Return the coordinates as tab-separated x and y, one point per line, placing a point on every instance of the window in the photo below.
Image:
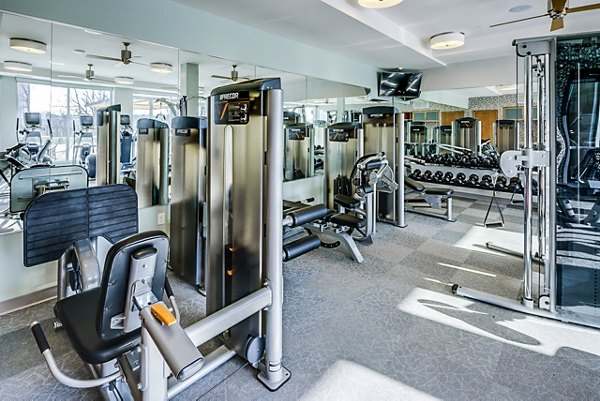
62	106
516	113
426	116
157	106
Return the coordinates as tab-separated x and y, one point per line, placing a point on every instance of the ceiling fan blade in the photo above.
220	77
135	62
95	56
518	20
558	5
583	8
243	79
557	23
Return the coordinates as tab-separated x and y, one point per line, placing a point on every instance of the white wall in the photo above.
472	74
173	24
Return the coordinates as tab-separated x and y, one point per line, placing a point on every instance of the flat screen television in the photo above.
406	85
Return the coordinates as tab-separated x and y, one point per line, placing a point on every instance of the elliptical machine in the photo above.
84	144
31	136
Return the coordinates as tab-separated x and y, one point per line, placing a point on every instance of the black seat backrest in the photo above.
54	220
113	289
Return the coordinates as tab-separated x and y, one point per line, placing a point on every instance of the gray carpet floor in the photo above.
388	329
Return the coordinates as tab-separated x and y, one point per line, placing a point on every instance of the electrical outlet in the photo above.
160	219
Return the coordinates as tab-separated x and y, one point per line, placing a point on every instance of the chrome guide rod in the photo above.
551	177
527	195
541	145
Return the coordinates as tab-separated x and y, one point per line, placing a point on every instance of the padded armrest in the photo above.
414	185
346	201
443	191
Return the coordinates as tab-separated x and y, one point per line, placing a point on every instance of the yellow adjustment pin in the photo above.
161	312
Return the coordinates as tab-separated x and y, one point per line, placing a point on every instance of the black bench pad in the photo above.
77	314
348	220
443	191
414	185
346	201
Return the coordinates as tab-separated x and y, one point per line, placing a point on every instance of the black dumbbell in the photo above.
501	183
427	176
438	176
448	178
473	181
512	185
416	174
461	179
474	162
486	182
486	162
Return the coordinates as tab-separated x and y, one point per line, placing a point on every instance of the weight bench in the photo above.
433	198
336	224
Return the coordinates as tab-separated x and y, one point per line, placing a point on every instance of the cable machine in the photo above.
557	71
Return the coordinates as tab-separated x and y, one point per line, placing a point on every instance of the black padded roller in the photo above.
307	214
373	165
40	337
300	247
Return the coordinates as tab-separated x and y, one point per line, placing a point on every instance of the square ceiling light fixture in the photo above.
28	45
378	3
18	66
447	40
161	68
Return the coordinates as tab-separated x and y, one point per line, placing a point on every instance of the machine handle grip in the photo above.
40	337
168	288
300	247
307	214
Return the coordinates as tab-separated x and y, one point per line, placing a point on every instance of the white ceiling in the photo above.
385	38
399	36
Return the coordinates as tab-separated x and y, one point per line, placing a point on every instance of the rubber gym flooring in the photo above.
389	329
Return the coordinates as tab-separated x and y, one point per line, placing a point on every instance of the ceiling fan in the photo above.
88	76
125	56
234	75
557	10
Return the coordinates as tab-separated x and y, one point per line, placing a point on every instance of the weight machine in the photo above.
556	69
130	338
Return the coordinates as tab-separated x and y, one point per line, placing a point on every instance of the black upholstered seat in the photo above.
346	201
348	220
443	191
78	314
87	316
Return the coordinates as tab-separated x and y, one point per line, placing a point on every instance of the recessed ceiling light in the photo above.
378	3
447	40
57	63
28	45
124	80
17	66
161	68
519	9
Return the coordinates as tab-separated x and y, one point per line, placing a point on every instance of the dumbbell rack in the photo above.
475	190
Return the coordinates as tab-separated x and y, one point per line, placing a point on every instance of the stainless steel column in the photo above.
244	226
108	160
399	168
527	195
152	166
188	196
